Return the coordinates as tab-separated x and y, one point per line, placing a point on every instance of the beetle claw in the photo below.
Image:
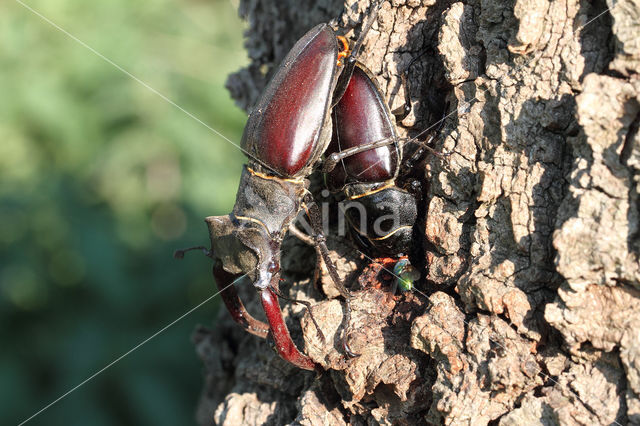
347	350
319	332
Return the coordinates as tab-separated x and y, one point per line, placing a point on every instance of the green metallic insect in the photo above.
405	274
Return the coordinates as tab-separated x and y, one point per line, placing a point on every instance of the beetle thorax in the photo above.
272	202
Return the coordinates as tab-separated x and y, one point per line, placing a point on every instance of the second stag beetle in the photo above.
286	135
363	163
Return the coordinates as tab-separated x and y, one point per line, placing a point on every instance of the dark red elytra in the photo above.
284	129
362	117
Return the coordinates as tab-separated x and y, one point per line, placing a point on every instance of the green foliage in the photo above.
100	180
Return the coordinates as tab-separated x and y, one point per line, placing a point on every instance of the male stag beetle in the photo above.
285	136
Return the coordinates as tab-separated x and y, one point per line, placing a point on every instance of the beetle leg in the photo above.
301	235
310	241
284	345
307	305
402	111
333	159
426	145
234	304
321	244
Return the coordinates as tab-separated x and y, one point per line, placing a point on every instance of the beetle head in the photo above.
244	248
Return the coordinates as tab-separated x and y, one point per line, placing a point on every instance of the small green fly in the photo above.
405	274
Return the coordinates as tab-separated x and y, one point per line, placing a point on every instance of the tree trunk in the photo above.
530	310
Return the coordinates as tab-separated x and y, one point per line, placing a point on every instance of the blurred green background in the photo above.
100	180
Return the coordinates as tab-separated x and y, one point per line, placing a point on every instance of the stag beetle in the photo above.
285	136
363	163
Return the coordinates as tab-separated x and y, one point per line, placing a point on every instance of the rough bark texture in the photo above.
530	311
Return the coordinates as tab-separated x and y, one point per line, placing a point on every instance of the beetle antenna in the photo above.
179	254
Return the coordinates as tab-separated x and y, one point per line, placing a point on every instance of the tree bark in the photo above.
529	310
